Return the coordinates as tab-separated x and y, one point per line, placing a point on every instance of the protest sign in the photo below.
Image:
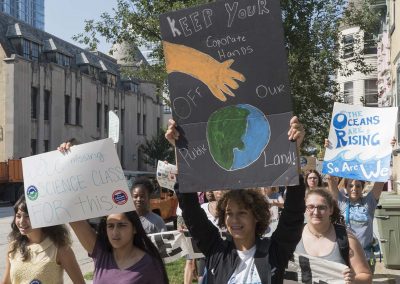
230	95
360	142
166	175
86	182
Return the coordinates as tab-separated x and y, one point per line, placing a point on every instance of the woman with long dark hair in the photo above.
121	250
40	254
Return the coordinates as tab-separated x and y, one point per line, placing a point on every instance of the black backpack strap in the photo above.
261	260
343	242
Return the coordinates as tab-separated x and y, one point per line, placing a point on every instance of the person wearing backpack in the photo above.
325	236
245	257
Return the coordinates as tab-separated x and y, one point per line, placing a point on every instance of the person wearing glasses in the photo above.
358	210
319	238
313	179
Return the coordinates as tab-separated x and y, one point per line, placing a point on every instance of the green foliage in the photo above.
157	148
311	38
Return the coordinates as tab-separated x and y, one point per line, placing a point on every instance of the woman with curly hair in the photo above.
245	256
38	255
319	237
313	179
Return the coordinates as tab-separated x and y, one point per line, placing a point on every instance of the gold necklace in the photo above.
317	235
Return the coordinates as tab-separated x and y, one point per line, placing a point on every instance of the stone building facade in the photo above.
51	90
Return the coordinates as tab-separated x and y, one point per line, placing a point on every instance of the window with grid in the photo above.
106	117
26	49
78	111
348	93
138	123
371	93
34	103
370	45
33	146
35	50
46	145
98	115
47	105
348	46
67	109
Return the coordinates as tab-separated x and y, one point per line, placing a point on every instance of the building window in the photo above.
77	111
348	46
106	117
144	124
348	93
371	93
122	120
62	59
138	123
33	147
370	45
139	104
46	145
47	105
34	103
67	109
26	49
98	115
35	51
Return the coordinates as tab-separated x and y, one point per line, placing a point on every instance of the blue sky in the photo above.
65	18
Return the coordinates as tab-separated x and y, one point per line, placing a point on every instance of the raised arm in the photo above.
86	235
201	229
377	189
291	222
66	258
359	265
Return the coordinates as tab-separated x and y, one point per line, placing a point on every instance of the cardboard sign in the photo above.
166	175
86	182
360	142
230	95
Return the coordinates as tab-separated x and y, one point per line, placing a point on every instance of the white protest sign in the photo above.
309	269
86	182
113	126
166	174
360	142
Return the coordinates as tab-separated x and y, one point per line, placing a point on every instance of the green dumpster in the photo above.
388	220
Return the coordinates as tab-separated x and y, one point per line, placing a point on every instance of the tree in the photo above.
157	148
311	38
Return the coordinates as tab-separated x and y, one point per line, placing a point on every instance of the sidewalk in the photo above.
385	275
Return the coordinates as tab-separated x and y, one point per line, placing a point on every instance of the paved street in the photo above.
382	274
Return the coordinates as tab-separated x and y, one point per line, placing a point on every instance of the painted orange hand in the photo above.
218	77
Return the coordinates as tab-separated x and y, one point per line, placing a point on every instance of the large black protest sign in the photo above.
230	95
